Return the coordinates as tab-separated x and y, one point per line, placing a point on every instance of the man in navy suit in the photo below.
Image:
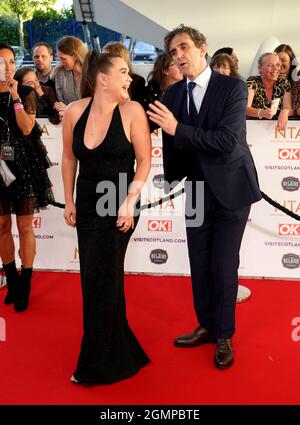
204	139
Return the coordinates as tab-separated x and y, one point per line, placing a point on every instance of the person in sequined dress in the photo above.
26	158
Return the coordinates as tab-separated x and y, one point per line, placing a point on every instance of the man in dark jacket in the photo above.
204	139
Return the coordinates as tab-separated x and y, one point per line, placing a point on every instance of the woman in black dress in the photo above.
26	157
106	133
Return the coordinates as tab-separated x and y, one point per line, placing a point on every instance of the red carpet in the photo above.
42	344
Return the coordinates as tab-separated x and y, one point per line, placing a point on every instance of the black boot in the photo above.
24	288
12	280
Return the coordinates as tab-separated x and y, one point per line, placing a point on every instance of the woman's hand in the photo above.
13	88
39	89
267	113
59	106
125	219
61	115
70	214
282	119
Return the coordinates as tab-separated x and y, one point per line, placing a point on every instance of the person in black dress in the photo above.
105	132
26	158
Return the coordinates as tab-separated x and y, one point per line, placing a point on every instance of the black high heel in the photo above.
12	280
23	290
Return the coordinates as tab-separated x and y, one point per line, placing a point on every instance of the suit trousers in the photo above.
213	249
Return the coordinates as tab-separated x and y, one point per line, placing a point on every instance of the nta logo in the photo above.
45	130
160	225
291	261
291	184
158	256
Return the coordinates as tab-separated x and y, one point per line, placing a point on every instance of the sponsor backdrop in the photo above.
271	245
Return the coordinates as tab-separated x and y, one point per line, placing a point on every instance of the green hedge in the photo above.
9	32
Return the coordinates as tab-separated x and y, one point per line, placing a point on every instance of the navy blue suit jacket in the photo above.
217	144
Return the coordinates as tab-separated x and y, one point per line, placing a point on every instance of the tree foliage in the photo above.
9	30
67	13
5	10
53	15
48	15
24	9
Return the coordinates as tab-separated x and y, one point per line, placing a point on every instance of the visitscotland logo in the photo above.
291	261
291	184
158	256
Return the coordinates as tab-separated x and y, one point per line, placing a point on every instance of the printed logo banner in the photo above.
271	244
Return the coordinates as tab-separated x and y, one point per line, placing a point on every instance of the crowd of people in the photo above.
102	104
57	87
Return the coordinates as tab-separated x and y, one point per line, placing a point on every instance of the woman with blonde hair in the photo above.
267	89
71	52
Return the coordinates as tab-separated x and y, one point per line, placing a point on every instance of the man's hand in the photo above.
161	115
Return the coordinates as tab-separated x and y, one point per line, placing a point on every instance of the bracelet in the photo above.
18	106
258	114
18	100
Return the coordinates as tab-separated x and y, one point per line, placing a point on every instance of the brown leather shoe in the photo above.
198	337
224	354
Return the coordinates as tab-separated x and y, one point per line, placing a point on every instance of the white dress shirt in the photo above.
200	88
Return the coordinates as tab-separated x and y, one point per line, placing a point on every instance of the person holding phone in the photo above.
26	157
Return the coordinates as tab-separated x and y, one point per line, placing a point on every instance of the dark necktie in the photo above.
192	107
